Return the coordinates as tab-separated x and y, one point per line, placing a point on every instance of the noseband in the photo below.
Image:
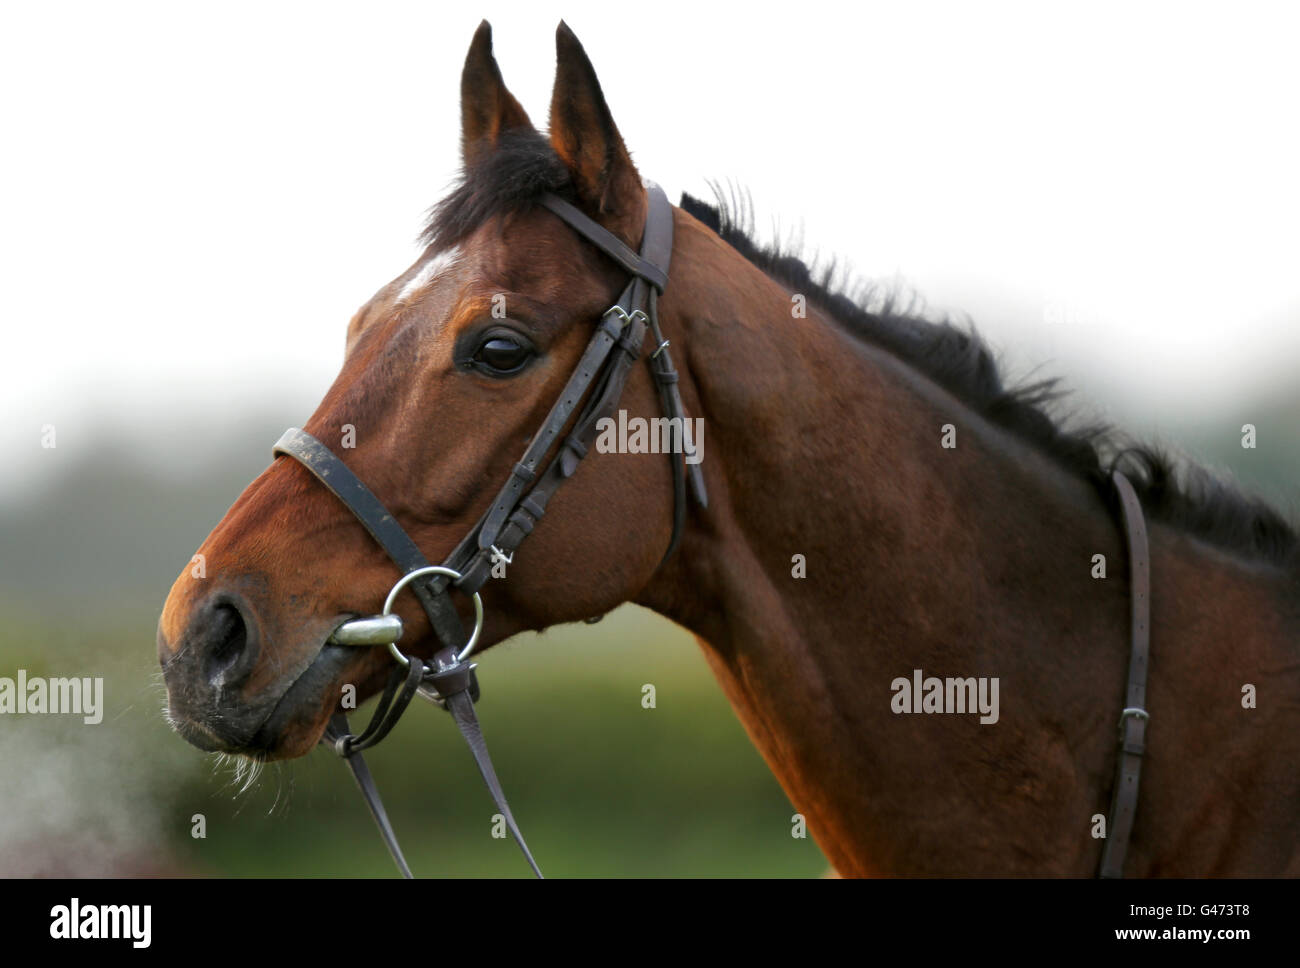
448	678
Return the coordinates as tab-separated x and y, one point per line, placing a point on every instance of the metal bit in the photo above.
374	630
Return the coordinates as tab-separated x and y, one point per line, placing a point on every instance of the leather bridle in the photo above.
448	678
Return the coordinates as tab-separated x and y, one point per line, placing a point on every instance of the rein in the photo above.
448	679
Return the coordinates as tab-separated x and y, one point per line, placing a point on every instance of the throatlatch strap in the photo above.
656	254
1133	720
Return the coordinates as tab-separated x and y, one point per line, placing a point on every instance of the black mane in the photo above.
1183	495
1180	494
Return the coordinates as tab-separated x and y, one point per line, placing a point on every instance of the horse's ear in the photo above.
487	109
584	136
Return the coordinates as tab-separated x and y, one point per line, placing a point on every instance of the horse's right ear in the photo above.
487	109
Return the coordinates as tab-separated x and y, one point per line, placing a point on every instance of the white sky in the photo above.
194	198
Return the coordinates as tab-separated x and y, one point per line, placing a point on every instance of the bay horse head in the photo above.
448	372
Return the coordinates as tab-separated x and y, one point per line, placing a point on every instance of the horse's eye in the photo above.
501	354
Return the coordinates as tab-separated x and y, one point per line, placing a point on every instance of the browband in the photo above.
656	250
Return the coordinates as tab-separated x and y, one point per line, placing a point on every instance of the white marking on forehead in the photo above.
432	267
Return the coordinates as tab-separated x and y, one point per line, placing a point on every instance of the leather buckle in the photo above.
1138	746
1135	711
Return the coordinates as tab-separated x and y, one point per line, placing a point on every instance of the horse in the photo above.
882	513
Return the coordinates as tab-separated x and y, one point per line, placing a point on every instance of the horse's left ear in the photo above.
584	136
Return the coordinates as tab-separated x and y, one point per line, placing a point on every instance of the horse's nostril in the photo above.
227	643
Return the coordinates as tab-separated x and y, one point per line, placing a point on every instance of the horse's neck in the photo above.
845	547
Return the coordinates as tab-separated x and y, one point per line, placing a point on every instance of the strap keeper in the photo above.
476	574
661	364
571	454
613	322
576	445
524	520
630	345
523	473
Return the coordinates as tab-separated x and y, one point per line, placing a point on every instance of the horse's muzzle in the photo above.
206	671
